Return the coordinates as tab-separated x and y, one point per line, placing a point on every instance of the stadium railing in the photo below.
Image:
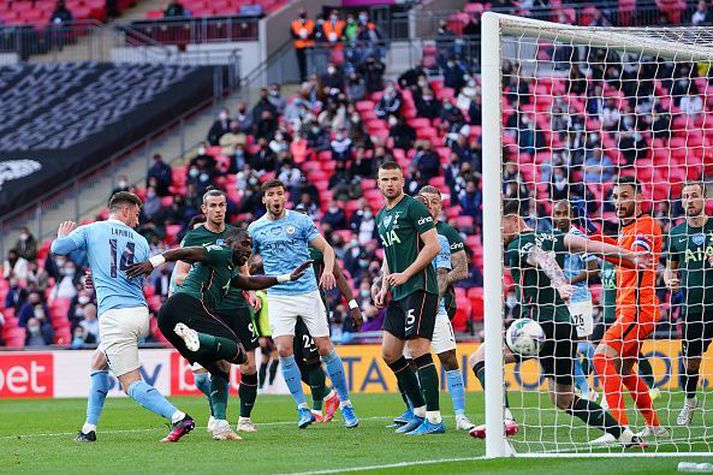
183	31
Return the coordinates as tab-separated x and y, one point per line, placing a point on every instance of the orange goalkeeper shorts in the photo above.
628	333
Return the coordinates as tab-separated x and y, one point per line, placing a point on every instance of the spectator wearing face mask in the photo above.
453	75
334	216
122	184
390	102
426	160
152	208
333	30
317	138
220	127
263	104
467	95
302	30
402	134
15	266
161	171
38	332
33	307
16	296
26	245
333	79
244	118
372	70
427	106
264	160
230	140
341	146
75	314
275	97
355	87
90	324
66	287
78	337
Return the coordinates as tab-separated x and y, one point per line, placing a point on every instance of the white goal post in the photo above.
521	39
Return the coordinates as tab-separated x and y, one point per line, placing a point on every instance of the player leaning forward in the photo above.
188	318
282	238
535	260
410	241
690	267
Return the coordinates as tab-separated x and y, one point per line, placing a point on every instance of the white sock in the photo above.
303	406
693	399
420	411
345	403
434	417
241	419
87	428
177	416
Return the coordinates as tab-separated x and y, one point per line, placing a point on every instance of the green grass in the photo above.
36	436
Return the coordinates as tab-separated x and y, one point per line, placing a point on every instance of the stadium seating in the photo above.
219	8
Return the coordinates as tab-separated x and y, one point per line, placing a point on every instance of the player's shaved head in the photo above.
693	200
562	215
213	194
433	196
214	207
430	189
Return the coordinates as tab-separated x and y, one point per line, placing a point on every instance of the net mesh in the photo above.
578	113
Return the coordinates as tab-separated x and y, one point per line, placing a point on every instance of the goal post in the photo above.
531	48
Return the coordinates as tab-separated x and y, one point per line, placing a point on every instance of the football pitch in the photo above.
37	436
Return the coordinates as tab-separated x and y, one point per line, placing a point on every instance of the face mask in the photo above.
60	262
274	93
204	177
471	83
69	271
393	121
451	64
201	151
83	300
331	70
315	130
151	194
193	173
427	98
367	215
123	184
24	236
223	116
363	18
339	137
353	242
39	313
34	330
447	106
365	293
422	83
356	118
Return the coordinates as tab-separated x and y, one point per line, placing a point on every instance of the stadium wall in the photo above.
64	374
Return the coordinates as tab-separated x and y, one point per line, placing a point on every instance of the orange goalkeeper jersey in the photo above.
636	288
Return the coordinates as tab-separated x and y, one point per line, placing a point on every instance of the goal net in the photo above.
568	113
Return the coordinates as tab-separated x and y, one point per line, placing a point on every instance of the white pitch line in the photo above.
389	465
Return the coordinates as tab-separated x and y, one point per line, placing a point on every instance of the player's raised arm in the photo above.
69	238
614	254
186	254
327	282
259	282
546	262
429	251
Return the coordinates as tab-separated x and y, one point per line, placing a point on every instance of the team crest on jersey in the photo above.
220	242
698	239
290	229
387	221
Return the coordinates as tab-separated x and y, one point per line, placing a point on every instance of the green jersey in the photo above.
456	245
537	295
318	267
691	248
202	236
400	230
608	277
209	281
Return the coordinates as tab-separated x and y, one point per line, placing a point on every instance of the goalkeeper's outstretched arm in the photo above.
611	253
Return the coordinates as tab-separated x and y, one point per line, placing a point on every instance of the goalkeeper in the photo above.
544	293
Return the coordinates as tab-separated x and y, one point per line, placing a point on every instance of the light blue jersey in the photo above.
111	247
574	264
283	245
442	261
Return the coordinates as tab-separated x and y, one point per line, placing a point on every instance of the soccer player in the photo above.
306	352
233	308
111	246
690	266
187	320
410	243
637	312
282	237
456	269
578	269
535	261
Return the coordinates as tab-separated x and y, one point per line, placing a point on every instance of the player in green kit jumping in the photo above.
234	308
689	266
188	318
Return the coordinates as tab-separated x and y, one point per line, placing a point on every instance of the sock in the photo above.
273	371
580	380
317	383
202	381
220	348
587	350
479	370
454	379
335	370
409	383
594	416
219	395
428	377
247	394
291	373
149	398
262	373
646	372
98	390
688	380
639	392
613	387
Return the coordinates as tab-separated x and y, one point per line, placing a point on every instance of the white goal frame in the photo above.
494	27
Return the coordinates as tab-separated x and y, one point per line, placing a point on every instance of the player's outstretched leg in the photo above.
335	370
98	390
456	388
219	400
210	347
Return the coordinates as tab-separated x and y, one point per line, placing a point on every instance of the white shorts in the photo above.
444	339
583	317
284	310
120	330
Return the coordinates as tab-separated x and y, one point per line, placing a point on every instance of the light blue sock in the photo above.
291	373
202	381
100	383
580	380
149	398
335	370
587	350
456	390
